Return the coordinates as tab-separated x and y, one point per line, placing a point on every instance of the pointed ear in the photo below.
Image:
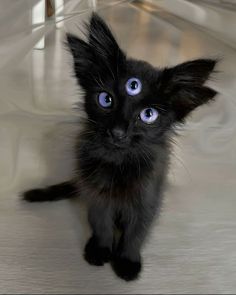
98	58
103	42
184	86
79	49
84	61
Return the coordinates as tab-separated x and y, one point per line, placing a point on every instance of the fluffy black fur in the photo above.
121	177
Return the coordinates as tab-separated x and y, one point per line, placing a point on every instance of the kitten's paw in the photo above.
96	255
126	269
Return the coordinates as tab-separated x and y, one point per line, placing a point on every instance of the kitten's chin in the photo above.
114	152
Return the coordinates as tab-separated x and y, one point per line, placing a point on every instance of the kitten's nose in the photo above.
118	133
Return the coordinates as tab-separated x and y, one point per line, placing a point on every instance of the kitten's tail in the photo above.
64	190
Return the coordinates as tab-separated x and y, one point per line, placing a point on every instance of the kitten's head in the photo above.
130	103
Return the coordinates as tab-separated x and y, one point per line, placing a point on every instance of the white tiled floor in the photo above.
192	248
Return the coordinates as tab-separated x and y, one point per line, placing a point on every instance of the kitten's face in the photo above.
130	104
128	111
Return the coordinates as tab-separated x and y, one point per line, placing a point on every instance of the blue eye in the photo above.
149	115
105	100
133	86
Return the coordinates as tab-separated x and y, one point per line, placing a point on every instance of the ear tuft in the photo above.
103	42
100	36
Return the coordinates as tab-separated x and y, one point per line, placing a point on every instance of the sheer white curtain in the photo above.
37	91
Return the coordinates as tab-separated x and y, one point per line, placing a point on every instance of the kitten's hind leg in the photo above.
64	190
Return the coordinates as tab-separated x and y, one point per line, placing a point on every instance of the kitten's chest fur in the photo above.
123	180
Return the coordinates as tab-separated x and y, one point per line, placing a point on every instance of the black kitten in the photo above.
123	150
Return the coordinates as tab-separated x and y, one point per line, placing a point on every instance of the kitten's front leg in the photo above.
127	257
99	247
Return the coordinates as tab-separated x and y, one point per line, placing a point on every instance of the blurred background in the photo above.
192	246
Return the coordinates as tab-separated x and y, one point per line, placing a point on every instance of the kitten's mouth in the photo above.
115	141
117	145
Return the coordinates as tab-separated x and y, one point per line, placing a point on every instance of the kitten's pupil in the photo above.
134	85
149	113
108	99
105	100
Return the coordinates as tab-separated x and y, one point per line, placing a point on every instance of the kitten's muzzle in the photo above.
118	137
118	133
